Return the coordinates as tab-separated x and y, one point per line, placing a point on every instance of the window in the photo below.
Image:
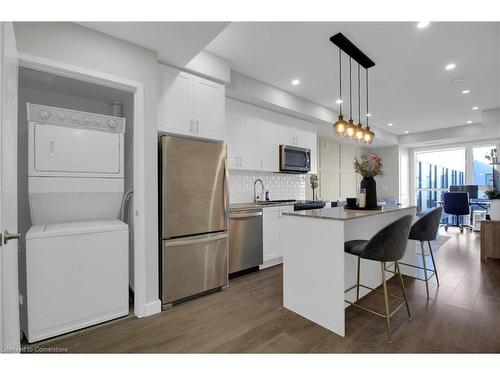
482	171
435	172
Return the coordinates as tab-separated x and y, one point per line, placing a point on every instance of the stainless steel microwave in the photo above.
295	159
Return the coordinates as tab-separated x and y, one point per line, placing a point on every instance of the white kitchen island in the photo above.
316	271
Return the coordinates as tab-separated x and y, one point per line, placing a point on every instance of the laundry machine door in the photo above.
74	151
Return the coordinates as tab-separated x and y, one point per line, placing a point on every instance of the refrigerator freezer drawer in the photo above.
192	265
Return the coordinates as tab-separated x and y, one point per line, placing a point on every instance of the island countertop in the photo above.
341	214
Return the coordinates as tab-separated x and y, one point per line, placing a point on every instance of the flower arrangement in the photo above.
368	166
314	180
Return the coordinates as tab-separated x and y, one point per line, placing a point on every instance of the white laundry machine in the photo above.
77	249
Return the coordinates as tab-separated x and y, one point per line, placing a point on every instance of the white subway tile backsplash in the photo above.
280	185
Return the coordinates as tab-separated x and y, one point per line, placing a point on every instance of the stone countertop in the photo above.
255	206
341	214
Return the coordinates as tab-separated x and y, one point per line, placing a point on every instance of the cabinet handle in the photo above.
197	126
262	163
191	129
241	162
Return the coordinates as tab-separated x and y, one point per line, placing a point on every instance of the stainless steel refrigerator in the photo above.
193	223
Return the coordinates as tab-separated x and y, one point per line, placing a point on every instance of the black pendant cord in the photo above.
367	117
340	79
359	96
350	90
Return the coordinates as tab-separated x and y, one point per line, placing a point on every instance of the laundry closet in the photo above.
75	191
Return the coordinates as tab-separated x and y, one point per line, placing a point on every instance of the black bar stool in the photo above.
387	245
425	230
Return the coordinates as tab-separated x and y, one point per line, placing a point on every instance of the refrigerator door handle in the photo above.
208	238
226	186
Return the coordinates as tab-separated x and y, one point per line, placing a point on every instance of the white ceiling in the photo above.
409	86
176	42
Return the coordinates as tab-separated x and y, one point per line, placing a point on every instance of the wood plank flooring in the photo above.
463	315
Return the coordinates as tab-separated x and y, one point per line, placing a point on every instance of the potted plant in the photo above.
494	197
369	167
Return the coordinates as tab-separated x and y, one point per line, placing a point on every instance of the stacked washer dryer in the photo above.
77	249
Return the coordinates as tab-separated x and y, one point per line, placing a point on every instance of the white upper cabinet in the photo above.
190	105
269	140
209	108
175	101
231	134
253	136
247	129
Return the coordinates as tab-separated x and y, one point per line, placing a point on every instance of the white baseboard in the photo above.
271	262
152	308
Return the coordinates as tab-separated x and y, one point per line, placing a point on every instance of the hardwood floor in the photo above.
463	315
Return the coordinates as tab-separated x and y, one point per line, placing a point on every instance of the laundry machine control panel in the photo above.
67	117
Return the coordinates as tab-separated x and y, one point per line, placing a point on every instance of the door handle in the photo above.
205	238
10	236
244	215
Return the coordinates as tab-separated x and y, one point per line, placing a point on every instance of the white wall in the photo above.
210	66
76	45
388	184
404	176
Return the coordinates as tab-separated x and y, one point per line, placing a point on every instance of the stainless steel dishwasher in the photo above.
245	239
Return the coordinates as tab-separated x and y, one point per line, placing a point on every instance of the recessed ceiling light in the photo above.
339	101
390	124
368	115
469	122
450	66
475	108
295	82
465	91
406	131
423	24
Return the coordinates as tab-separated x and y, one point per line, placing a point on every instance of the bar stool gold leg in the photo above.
425	268
357	279
404	291
433	262
387	314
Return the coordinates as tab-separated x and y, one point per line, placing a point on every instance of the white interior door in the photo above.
9	290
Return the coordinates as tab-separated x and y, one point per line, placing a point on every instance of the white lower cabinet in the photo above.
271	219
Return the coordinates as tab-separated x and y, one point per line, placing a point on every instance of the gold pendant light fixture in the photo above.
340	126
369	135
351	129
355	132
360	131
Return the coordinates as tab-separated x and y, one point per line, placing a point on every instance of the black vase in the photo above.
370	186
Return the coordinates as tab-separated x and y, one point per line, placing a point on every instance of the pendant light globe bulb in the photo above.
367	136
340	126
351	129
360	132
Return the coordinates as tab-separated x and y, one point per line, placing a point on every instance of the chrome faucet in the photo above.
256	197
